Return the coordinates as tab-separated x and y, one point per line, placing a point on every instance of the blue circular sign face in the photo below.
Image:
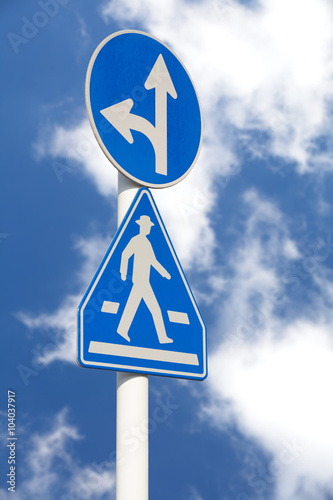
143	109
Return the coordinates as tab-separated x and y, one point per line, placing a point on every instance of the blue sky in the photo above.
251	225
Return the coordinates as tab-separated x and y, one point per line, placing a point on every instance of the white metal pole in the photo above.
132	404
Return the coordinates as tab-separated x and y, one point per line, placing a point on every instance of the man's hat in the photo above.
144	221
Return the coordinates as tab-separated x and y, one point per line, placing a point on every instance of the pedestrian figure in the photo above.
144	258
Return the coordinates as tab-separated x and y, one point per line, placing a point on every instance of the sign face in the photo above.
143	109
139	313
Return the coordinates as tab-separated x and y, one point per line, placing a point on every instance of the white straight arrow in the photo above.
121	118
160	80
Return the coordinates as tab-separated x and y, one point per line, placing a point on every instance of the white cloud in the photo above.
49	463
45	450
194	495
265	66
75	147
186	213
256	69
277	390
270	373
253	269
184	208
61	324
94	482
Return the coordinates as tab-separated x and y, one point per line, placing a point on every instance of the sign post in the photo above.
132	475
145	114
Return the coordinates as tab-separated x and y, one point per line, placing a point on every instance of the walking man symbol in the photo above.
144	258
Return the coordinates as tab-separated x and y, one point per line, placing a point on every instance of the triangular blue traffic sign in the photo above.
139	313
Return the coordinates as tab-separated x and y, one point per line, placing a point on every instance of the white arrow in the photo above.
160	79
120	116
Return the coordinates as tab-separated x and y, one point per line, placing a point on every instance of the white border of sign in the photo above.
92	121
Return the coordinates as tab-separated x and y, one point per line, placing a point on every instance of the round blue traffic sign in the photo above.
143	109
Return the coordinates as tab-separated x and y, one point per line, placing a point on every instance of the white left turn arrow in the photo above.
121	118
